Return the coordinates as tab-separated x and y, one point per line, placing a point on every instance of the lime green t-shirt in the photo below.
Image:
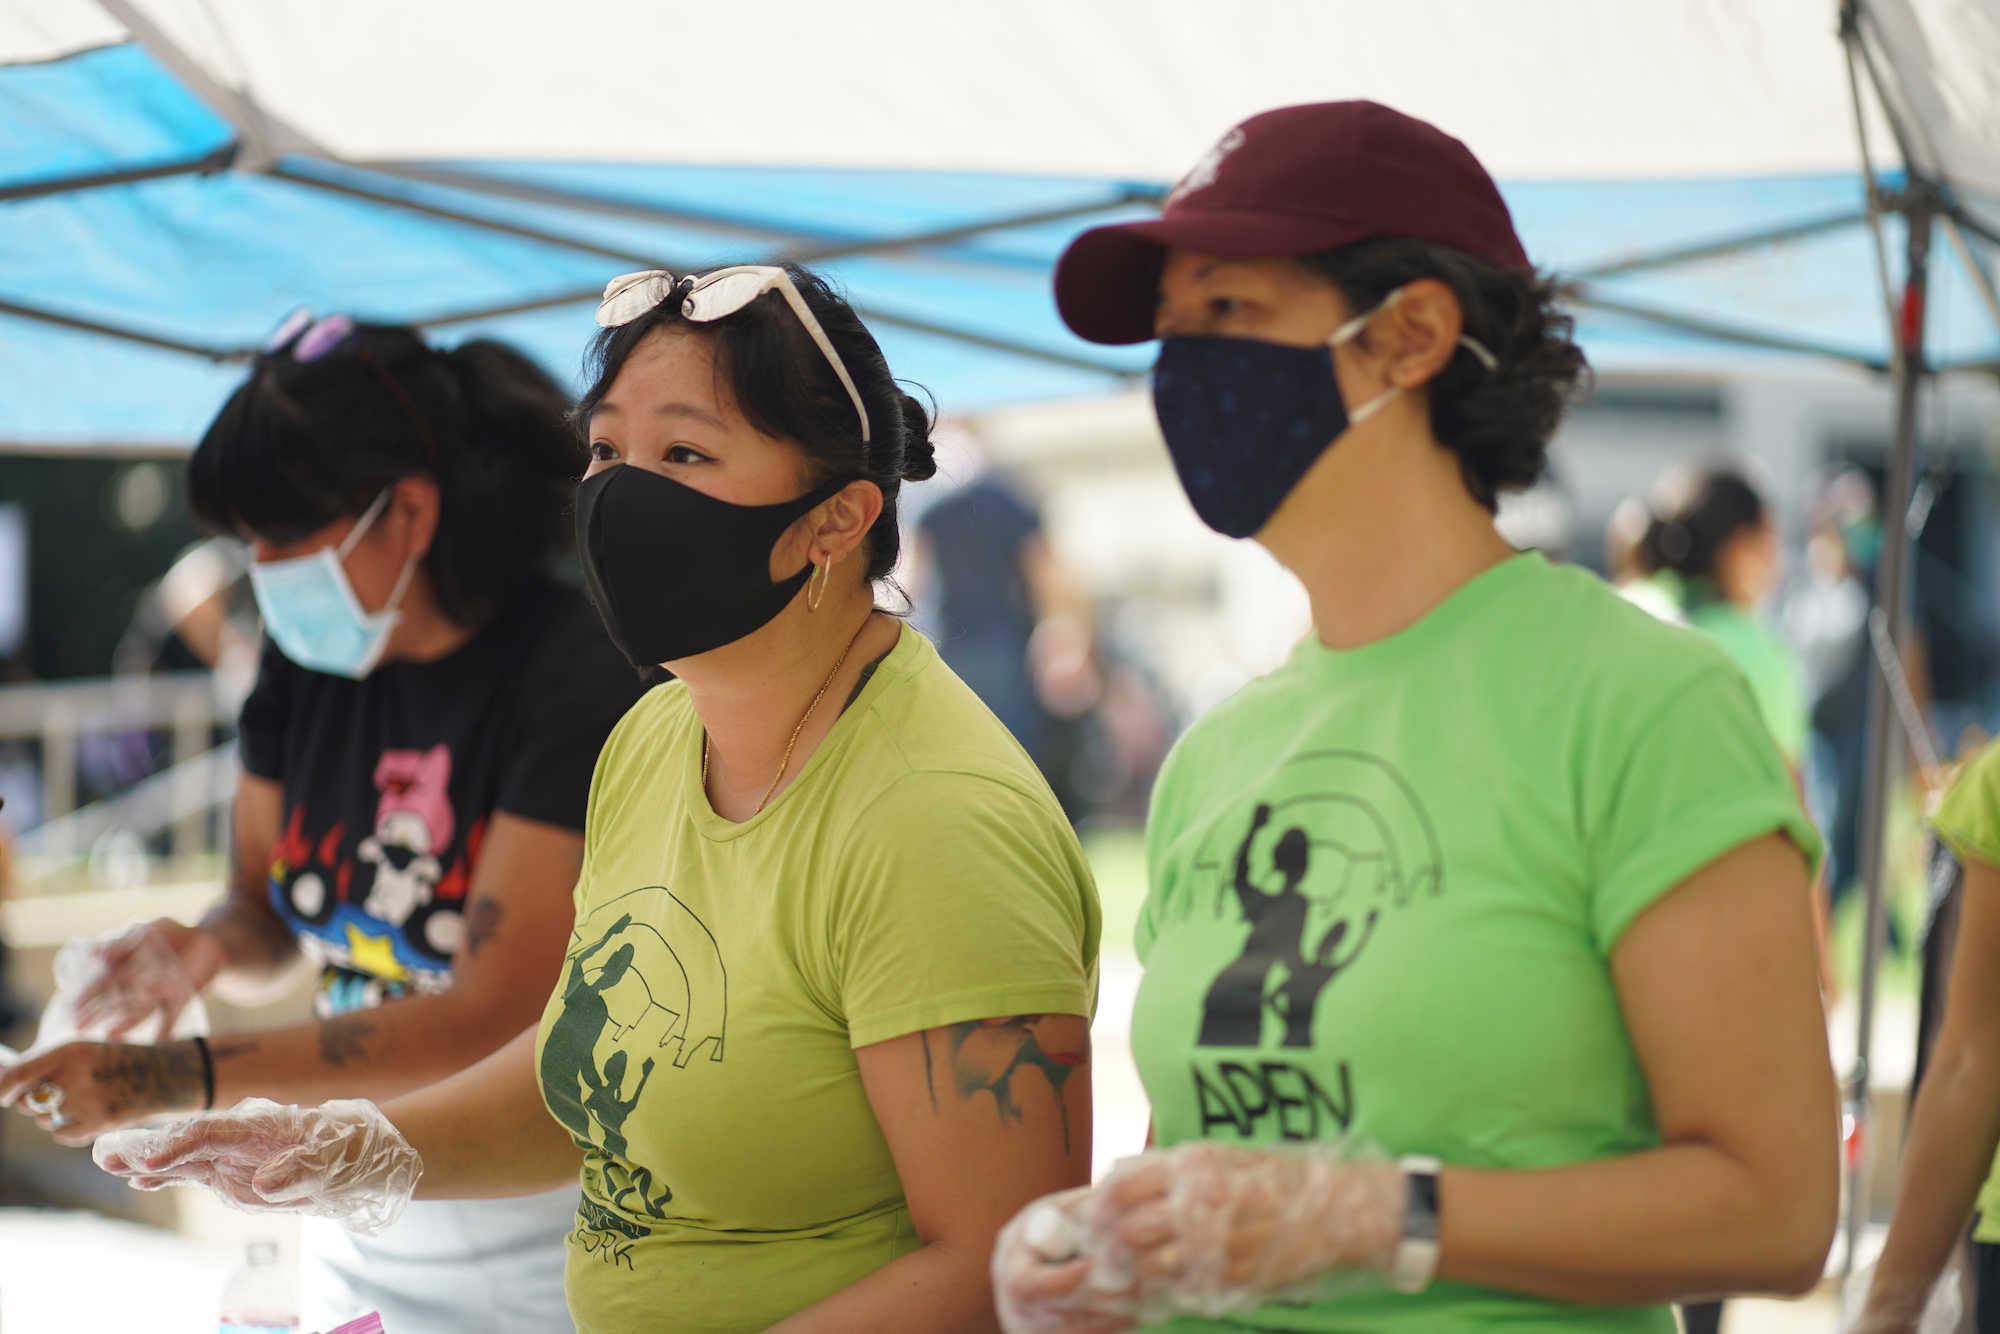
1968	820
1386	884
700	1045
1765	657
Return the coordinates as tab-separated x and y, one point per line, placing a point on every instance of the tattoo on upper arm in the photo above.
345	1038
147	1079
482	923
986	1054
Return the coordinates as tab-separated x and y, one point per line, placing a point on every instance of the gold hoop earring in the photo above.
816	585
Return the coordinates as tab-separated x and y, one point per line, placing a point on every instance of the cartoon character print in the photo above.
413	824
389	931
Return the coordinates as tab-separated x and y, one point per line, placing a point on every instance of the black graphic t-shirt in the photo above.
389	783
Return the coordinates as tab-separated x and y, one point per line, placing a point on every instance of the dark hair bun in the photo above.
919	454
1497	421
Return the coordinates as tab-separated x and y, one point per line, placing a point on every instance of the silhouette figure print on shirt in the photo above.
1340	841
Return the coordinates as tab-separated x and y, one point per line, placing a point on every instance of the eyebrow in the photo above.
675	408
680	409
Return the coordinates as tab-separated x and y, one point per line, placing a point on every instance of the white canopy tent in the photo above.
1125	89
1697	163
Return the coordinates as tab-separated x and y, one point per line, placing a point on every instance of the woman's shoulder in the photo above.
1968	819
930	728
1592	638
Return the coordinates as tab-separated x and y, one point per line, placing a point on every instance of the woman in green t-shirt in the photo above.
1498	878
1713	542
822	1021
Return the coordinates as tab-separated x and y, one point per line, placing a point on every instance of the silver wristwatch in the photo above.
1417	1253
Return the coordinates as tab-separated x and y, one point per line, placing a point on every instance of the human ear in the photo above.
415	503
842	522
1418	334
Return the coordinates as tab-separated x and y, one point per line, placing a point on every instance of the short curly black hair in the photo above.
1498	422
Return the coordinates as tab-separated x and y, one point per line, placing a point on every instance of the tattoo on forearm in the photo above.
482	923
148	1079
229	1051
345	1038
986	1054
930	1076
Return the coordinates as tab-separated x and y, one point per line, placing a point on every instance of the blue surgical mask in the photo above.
1244	419
312	614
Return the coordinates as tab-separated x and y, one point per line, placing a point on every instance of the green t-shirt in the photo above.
700	1046
1968	820
1768	661
1386	884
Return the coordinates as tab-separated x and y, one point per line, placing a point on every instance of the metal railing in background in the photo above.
179	800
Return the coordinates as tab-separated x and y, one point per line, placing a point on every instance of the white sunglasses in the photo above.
714	296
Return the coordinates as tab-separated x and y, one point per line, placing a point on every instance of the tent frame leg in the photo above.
1919	206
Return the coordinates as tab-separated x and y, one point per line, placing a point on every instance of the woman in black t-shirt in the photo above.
416	759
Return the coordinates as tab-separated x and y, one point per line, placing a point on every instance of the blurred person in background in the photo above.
1950	1173
1626	567
416	754
1714	543
1497	874
823	1023
1010	620
1828	621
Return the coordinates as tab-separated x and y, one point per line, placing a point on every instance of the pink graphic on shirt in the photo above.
413	827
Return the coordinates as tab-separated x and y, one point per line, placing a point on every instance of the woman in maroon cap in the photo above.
1480	984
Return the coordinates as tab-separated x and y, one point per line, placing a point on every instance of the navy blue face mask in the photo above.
1244	419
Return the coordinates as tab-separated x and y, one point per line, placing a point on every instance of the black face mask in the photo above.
675	572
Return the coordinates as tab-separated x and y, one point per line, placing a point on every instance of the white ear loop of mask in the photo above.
1351	330
394	605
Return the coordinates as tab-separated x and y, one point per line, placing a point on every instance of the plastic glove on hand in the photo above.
343	1160
109	986
1207	1229
1043	1279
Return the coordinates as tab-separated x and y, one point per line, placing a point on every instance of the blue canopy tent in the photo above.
1718	177
157	220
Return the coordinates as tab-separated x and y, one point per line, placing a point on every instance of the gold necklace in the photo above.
786	763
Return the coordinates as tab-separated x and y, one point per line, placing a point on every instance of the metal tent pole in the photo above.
1919	207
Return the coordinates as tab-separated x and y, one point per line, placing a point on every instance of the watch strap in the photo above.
1416	1256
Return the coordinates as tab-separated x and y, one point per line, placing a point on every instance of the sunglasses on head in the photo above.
714	296
309	340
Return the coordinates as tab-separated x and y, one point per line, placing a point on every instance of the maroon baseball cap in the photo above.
1290	182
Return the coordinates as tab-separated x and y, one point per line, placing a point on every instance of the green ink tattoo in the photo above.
987	1053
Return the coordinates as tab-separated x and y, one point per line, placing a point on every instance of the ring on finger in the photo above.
44	1099
57	1120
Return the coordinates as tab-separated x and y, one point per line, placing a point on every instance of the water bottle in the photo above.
259	1297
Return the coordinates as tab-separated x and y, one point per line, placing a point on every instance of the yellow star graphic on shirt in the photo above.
374	954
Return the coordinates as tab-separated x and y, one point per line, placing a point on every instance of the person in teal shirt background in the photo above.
1715	544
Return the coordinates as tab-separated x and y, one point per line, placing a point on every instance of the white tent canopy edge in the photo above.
1127	89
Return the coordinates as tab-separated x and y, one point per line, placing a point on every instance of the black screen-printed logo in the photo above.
1339	840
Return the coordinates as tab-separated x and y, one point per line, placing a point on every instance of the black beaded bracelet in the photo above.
207	1073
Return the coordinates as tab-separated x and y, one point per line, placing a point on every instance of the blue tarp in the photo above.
215	260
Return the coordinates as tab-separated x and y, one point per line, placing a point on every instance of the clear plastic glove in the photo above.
342	1160
1201	1229
1873	1305
1043	1279
110	986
